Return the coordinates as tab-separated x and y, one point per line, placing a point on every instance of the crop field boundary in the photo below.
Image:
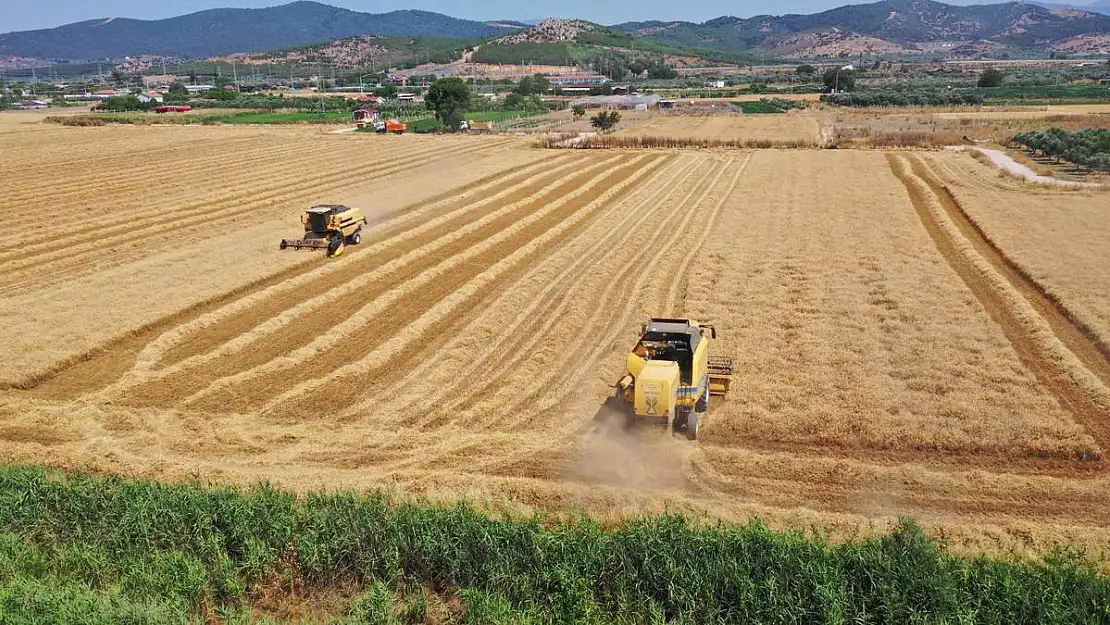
1077	388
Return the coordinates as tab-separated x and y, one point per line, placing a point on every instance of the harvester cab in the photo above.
670	376
329	227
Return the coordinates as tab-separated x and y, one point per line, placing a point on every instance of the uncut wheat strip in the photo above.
67	154
662	237
321	159
157	222
671	302
339	333
180	183
144	369
58	258
553	292
615	240
555	388
105	175
197	163
416	329
1049	346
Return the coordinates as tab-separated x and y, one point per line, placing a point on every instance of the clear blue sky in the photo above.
28	14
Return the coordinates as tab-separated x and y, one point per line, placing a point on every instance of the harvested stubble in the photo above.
1059	236
106	550
834	316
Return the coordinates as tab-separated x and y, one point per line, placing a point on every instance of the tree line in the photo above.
903	98
1088	148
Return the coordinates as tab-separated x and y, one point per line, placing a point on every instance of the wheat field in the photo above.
797	126
887	363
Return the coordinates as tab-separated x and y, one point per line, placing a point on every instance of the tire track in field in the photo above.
335	303
1031	348
530	324
832	491
540	397
100	366
1073	333
167	229
492	267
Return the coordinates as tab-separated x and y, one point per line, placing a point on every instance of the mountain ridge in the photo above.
221	31
904	24
886	26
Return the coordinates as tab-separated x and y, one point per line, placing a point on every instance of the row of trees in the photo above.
1088	148
904	98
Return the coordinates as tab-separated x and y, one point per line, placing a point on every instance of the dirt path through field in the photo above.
1006	163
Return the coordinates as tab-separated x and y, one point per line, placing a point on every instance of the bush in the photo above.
120	104
605	120
990	78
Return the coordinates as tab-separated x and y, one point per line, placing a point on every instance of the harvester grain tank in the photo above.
670	376
329	227
479	127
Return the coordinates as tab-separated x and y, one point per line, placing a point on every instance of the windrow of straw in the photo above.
79	549
654	142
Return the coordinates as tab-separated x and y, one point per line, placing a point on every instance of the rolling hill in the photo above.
891	24
221	31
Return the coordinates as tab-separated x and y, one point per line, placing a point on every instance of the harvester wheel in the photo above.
692	425
334	245
354	239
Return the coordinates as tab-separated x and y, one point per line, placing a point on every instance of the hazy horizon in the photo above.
33	16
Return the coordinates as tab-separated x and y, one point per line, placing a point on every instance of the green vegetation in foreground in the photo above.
80	549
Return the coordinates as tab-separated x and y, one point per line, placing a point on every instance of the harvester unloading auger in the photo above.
670	376
329	227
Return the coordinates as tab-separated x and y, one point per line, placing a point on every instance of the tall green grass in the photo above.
80	549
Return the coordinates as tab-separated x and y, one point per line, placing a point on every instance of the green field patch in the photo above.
757	107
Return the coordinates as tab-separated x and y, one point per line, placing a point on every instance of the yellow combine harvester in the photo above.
330	227
670	376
